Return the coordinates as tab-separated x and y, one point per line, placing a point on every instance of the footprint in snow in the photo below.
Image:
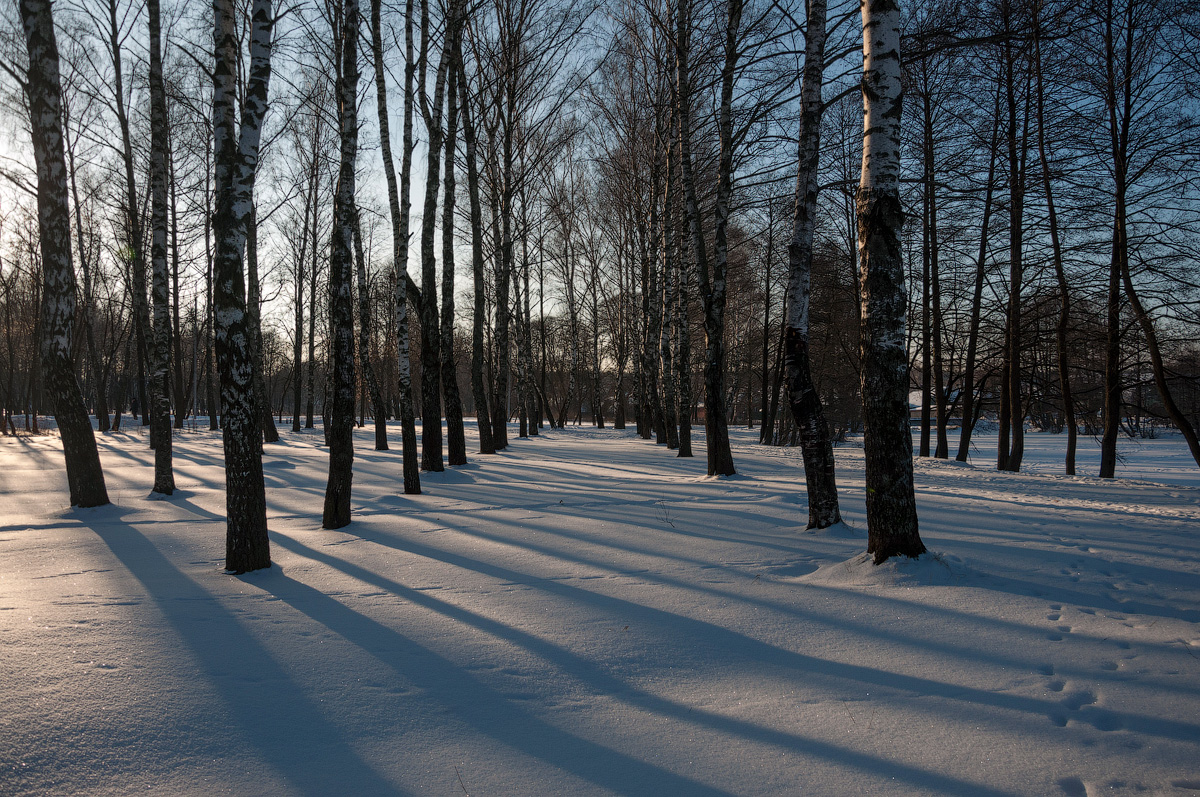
1072	787
1077	700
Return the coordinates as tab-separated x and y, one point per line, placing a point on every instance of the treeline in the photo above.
657	213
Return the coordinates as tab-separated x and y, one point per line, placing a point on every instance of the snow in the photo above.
585	614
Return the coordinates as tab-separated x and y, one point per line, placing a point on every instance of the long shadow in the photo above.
521	501
723	639
1063	594
282	723
1024	501
45	459
945	616
41	525
183	498
1058	594
606	683
482	707
553	530
743	537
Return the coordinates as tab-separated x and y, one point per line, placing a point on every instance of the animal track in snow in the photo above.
1077	700
1072	787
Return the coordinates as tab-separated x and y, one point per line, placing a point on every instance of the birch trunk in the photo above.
968	413
712	275
504	263
431	398
816	445
456	443
180	393
298	304
532	402
99	370
525	382
137	256
597	399
340	426
479	318
236	160
378	405
503	257
262	401
670	298
85	478
160	348
891	505
398	204
652	309
312	322
683	337
765	419
211	389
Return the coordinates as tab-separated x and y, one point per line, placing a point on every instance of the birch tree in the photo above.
712	273
398	206
85	478
479	310
340	432
160	343
432	113
891	503
816	445
236	146
456	444
374	392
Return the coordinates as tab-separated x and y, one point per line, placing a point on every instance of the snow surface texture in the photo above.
586	614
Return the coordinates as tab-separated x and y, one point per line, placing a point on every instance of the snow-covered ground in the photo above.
587	614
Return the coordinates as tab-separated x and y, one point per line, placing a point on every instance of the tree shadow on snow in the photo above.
282	723
473	702
494	714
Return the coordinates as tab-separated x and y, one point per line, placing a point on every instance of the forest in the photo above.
612	224
565	380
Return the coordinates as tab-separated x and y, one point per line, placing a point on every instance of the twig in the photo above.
664	511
